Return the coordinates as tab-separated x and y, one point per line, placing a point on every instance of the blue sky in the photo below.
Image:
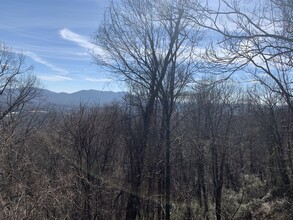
55	36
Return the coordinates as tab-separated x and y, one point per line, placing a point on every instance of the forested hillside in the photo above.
204	132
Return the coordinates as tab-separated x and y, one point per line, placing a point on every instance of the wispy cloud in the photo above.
92	79
80	40
54	78
46	63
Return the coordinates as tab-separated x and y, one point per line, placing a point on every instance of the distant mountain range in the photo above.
89	97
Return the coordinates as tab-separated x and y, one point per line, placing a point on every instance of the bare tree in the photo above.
271	114
255	38
89	136
17	87
214	108
151	45
19	120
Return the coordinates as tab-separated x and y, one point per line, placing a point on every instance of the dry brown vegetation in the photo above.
187	142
